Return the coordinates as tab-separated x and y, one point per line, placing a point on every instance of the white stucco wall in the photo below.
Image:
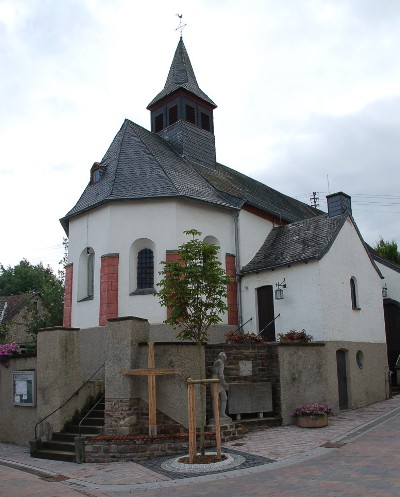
301	307
115	227
392	281
253	230
348	258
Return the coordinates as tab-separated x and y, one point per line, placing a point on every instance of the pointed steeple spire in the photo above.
181	76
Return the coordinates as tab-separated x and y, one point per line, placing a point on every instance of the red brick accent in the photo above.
67	319
171	256
230	262
108	288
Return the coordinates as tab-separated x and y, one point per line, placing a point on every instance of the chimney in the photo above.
338	203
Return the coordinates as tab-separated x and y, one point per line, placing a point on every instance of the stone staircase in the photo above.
61	447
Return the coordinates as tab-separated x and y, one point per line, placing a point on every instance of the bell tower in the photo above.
182	113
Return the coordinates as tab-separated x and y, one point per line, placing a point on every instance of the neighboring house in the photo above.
16	314
391	306
152	185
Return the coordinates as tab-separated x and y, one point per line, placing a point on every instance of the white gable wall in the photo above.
348	258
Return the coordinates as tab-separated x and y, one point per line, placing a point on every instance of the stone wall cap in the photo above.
126	318
56	328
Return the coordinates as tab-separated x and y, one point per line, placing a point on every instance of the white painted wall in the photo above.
348	258
115	227
253	231
301	307
392	281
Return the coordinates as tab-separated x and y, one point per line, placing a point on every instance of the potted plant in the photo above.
295	336
244	338
312	415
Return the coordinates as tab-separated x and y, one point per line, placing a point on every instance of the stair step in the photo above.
85	430
66	446
56	455
89	421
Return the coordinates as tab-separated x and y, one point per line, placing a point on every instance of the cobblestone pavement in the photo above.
302	464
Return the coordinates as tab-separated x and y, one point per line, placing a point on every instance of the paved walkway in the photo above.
291	447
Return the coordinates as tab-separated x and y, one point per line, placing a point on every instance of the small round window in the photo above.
360	359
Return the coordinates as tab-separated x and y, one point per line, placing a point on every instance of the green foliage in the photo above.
194	289
388	250
25	278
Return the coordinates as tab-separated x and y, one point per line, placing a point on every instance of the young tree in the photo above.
194	289
388	250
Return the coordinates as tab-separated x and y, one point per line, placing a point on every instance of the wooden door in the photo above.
342	379
265	306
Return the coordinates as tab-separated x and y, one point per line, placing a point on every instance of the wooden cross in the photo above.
151	372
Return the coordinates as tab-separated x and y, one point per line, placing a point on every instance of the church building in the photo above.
294	267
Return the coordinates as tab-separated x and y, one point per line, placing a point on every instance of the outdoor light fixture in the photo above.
384	291
279	290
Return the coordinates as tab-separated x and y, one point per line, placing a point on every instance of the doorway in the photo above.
265	307
341	359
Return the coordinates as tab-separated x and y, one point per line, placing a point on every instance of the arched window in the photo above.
145	269
86	274
141	267
354	293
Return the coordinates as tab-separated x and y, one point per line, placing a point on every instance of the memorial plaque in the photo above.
24	388
248	398
245	368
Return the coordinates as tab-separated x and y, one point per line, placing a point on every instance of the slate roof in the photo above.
12	305
140	165
181	76
300	241
256	194
378	258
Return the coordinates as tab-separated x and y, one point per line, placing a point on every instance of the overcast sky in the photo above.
308	95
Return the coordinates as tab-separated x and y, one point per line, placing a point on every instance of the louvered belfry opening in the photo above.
205	121
190	114
173	115
159	123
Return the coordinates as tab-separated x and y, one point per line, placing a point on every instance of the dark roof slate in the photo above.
300	241
378	258
14	304
140	165
181	76
255	193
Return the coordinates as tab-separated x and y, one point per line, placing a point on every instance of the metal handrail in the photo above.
69	398
87	414
272	320
241	325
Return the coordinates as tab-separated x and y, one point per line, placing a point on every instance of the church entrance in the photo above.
265	307
341	356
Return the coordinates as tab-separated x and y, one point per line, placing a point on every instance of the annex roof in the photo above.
309	239
300	241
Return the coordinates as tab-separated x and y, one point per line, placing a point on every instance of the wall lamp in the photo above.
279	290
384	291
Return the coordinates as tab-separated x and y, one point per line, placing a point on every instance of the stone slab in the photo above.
248	398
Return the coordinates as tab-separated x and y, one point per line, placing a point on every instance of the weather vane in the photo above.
181	26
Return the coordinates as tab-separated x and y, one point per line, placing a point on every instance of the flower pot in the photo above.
310	422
